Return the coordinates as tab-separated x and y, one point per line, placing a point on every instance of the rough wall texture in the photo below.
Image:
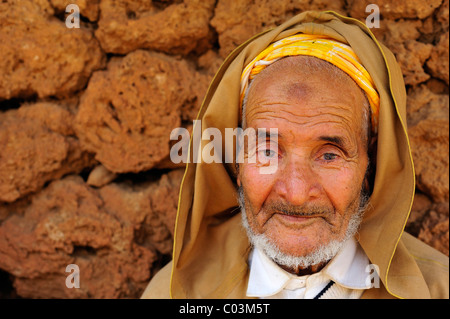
85	118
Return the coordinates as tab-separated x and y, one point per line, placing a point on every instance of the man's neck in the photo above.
299	271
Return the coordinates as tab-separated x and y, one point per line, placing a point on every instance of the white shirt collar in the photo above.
347	269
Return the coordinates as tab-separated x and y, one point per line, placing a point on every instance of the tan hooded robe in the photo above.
210	255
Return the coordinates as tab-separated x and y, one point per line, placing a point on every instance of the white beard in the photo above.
322	254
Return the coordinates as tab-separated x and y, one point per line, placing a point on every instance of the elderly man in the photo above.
328	221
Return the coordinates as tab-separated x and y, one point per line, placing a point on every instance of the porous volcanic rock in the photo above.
100	176
428	120
435	228
128	111
439	60
40	55
395	9
113	234
421	205
442	16
411	56
88	8
402	38
176	27
37	145
237	21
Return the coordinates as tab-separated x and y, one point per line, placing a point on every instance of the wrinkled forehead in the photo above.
301	88
304	81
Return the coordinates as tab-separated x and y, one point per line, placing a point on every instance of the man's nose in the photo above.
297	182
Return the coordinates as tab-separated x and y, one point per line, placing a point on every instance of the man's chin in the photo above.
297	249
296	256
292	253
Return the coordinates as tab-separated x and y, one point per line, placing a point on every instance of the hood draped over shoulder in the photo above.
211	248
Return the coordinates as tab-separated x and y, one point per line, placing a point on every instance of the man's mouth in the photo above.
296	220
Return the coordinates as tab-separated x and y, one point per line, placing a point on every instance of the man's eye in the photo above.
329	156
267	153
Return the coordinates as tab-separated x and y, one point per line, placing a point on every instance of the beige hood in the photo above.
211	248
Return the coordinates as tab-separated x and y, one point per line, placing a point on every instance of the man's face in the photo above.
322	158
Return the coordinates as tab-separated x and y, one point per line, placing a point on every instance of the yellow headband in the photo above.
322	47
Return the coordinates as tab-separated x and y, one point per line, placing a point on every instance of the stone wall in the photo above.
85	118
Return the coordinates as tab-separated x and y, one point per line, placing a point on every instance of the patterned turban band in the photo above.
322	47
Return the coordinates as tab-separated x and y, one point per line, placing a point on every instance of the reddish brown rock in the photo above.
168	188
127	112
88	8
37	145
392	31
411	57
429	222
100	176
419	209
40	55
237	21
428	120
142	206
179	28
402	38
438	62
64	219
395	9
211	62
442	16
423	104
113	235
435	228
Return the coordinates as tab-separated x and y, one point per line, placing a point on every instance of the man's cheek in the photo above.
257	186
254	181
341	186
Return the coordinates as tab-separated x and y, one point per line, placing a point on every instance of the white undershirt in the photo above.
348	269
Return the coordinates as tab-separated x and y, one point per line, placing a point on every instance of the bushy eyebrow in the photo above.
337	140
